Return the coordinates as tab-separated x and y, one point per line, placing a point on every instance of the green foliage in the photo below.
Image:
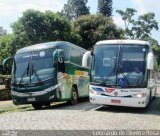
5	46
5	94
93	28
10	107
74	9
105	7
37	27
139	28
156	50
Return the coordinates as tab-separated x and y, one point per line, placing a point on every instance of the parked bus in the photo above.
123	73
49	72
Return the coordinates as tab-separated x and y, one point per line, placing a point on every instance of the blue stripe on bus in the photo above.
98	89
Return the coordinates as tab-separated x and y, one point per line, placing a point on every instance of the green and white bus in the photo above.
123	73
49	72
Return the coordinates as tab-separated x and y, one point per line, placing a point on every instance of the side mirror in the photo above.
58	57
85	58
151	84
56	54
150	61
7	65
92	53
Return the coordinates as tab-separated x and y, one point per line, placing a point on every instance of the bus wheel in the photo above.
47	104
37	106
155	94
74	97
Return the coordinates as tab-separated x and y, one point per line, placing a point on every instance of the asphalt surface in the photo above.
84	116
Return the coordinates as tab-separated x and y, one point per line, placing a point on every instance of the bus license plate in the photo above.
115	101
31	99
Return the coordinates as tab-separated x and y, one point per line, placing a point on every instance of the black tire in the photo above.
150	97
74	97
37	106
155	94
47	104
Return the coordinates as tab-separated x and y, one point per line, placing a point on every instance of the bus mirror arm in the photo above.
6	61
56	54
151	84
85	58
92	53
150	61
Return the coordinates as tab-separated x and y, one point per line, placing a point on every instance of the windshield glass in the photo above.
104	65
119	65
33	67
21	68
42	66
132	65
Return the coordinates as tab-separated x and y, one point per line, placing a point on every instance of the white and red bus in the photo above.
123	73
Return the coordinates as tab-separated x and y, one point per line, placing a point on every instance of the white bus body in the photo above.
123	73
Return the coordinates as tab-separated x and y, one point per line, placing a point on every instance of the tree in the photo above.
75	8
155	47
5	51
141	28
156	50
93	28
5	46
105	7
37	27
138	28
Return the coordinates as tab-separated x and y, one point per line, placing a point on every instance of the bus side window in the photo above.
61	65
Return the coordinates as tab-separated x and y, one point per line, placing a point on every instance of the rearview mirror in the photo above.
56	54
7	65
150	61
151	84
58	57
85	58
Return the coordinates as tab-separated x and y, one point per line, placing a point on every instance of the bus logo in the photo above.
115	93
109	90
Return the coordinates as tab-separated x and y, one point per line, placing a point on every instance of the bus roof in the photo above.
47	45
139	42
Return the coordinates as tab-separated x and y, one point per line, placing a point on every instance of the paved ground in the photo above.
84	116
6	103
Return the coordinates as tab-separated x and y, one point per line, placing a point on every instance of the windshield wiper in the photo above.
35	72
25	72
107	77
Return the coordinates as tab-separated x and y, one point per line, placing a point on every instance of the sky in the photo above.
11	10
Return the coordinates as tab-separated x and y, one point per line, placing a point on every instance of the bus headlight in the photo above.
139	95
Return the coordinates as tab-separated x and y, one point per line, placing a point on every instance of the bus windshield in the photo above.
34	67
120	65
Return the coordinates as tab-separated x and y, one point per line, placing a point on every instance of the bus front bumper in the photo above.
47	95
119	101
